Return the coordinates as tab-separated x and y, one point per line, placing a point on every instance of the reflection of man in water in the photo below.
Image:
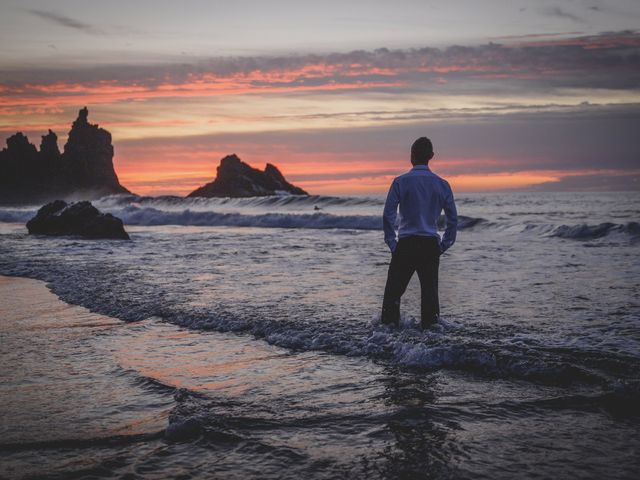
421	196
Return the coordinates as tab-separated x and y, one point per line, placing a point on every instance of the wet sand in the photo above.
84	394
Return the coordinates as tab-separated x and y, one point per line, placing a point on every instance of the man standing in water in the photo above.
416	246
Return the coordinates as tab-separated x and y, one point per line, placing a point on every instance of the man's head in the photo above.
421	151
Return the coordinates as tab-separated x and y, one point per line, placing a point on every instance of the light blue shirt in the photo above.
421	195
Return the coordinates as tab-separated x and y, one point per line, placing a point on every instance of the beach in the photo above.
241	339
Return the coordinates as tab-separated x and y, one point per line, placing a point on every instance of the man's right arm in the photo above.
390	214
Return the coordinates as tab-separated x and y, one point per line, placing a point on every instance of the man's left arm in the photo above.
451	214
389	216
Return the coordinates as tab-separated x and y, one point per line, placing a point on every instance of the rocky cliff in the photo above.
237	179
83	170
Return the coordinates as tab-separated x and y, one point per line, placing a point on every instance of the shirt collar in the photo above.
420	167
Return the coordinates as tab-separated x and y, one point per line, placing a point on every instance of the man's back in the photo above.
422	196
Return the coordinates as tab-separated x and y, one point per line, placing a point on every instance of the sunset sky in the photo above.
514	94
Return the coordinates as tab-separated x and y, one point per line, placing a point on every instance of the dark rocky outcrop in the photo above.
79	218
237	179
83	170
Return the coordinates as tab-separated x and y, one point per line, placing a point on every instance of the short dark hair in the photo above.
421	151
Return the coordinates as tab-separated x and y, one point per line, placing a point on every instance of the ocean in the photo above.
240	338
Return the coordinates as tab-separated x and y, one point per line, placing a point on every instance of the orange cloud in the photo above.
54	95
500	181
57	94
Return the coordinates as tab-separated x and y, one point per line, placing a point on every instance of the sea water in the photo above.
253	324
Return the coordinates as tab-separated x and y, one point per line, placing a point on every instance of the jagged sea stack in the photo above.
237	179
88	156
83	170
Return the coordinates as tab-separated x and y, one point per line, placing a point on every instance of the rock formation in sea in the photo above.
235	178
84	170
79	218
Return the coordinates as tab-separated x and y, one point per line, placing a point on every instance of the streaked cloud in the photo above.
558	12
535	36
64	21
610	60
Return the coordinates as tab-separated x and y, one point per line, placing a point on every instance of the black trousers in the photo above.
421	254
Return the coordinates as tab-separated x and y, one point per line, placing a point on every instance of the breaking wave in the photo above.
289	211
169	202
134	215
293	211
590	232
